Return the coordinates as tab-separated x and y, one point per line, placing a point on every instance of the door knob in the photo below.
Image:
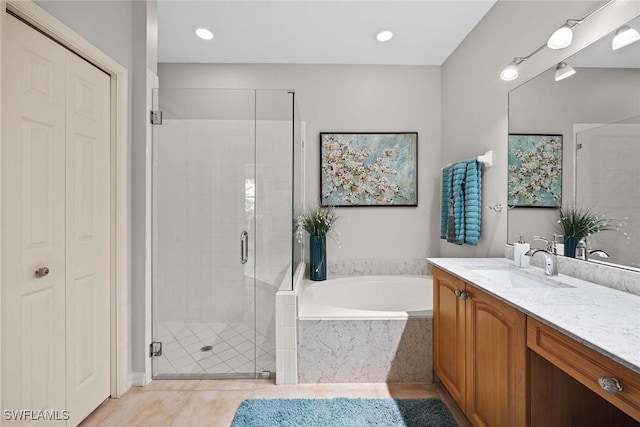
42	271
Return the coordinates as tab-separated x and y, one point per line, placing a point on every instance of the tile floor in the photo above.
204	403
232	349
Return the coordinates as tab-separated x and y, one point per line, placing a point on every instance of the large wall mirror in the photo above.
589	123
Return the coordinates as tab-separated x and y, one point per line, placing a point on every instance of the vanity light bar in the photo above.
560	39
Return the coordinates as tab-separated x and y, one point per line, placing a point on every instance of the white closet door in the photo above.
33	209
88	237
55	215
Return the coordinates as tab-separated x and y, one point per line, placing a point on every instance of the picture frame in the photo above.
368	169
535	170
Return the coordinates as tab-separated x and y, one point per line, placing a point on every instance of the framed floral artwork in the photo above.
535	170
369	169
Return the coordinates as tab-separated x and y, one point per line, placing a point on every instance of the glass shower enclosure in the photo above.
223	199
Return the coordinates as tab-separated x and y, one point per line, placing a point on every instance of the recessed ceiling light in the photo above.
203	33
384	35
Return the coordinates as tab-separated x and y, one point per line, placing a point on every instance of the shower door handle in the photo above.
244	247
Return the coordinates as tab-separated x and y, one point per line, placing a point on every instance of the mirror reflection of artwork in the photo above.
535	170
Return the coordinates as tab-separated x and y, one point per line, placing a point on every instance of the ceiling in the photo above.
426	32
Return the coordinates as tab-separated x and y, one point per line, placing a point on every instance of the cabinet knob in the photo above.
465	295
42	271
610	385
458	292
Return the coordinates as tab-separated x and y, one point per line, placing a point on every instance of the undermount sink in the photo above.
517	278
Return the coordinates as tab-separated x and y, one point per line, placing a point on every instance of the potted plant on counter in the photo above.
578	223
318	222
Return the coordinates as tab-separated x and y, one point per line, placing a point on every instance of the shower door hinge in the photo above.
156	117
155	349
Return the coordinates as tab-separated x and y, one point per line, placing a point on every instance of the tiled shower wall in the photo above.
205	195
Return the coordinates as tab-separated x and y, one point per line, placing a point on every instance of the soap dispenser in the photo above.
520	248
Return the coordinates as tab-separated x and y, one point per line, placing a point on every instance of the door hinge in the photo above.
156	117
578	146
155	349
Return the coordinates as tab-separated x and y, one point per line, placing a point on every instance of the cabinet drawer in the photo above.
585	365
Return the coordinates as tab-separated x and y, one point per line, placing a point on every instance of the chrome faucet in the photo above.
583	253
550	256
599	252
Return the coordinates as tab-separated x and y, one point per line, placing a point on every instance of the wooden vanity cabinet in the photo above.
480	352
449	361
588	368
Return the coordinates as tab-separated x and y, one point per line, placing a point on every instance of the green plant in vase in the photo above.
318	222
578	223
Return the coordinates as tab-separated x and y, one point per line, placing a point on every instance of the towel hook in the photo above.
498	207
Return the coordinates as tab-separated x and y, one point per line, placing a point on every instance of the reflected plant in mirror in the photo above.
579	223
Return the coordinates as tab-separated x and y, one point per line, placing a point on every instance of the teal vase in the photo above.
318	257
570	245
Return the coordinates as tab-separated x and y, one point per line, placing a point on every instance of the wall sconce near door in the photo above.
625	35
564	70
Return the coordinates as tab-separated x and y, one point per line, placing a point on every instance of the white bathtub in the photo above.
366	297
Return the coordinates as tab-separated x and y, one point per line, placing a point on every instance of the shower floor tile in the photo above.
232	349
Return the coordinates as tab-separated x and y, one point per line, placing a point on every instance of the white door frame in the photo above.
120	269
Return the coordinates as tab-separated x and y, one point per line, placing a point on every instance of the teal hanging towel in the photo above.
461	202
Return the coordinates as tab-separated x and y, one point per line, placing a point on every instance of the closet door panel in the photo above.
33	233
88	237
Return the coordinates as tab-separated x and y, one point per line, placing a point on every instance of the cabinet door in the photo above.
496	362
449	334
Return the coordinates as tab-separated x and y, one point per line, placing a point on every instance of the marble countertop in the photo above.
604	319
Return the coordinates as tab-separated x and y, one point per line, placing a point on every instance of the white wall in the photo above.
474	99
365	98
592	95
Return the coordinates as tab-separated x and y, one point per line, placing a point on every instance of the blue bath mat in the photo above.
343	412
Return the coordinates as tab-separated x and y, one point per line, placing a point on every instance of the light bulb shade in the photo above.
624	37
564	70
560	38
509	73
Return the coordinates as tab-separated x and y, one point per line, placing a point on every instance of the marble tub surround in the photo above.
363	351
376	267
286	330
621	279
599	317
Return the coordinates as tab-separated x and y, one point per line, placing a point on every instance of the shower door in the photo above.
222	215
203	239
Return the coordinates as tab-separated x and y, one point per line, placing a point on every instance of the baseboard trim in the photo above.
139	379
